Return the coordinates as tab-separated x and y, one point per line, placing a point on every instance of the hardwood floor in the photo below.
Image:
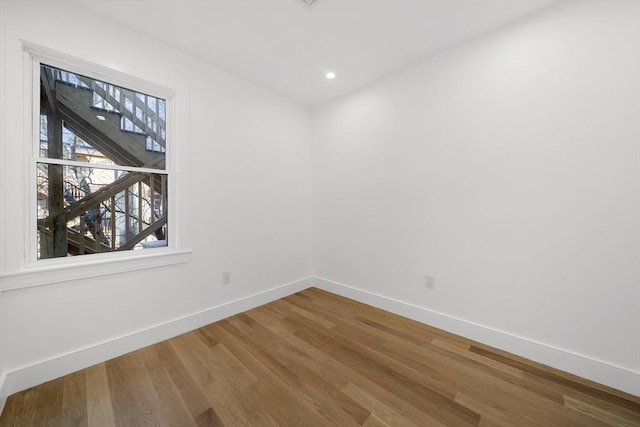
317	359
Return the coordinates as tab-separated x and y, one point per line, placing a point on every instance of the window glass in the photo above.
100	174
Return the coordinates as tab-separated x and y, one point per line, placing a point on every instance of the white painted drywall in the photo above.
508	167
248	205
3	393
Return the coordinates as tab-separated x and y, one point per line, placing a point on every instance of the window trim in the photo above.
33	272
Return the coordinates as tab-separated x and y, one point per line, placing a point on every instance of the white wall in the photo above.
248	207
507	167
3	392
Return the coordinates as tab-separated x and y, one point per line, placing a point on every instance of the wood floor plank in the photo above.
172	409
373	421
339	374
234	405
74	398
381	412
198	371
463	350
467	375
310	387
580	401
190	393
435	349
202	376
221	364
560	378
49	396
301	352
609	416
99	407
276	395
231	381
338	408
20	409
316	359
133	397
440	406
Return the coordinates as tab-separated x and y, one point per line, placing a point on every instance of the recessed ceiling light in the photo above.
330	75
100	118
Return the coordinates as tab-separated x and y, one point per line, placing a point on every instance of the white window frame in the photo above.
33	272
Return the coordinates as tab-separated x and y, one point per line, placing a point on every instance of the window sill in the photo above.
39	275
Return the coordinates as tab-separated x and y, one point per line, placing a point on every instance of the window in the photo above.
101	170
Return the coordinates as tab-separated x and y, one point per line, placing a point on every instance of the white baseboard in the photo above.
599	371
37	373
3	393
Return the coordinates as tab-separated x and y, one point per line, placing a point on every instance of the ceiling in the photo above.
288	46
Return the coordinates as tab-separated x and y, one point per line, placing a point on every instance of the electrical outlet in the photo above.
226	277
430	281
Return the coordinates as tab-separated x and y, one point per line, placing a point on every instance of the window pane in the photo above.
84	119
85	210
